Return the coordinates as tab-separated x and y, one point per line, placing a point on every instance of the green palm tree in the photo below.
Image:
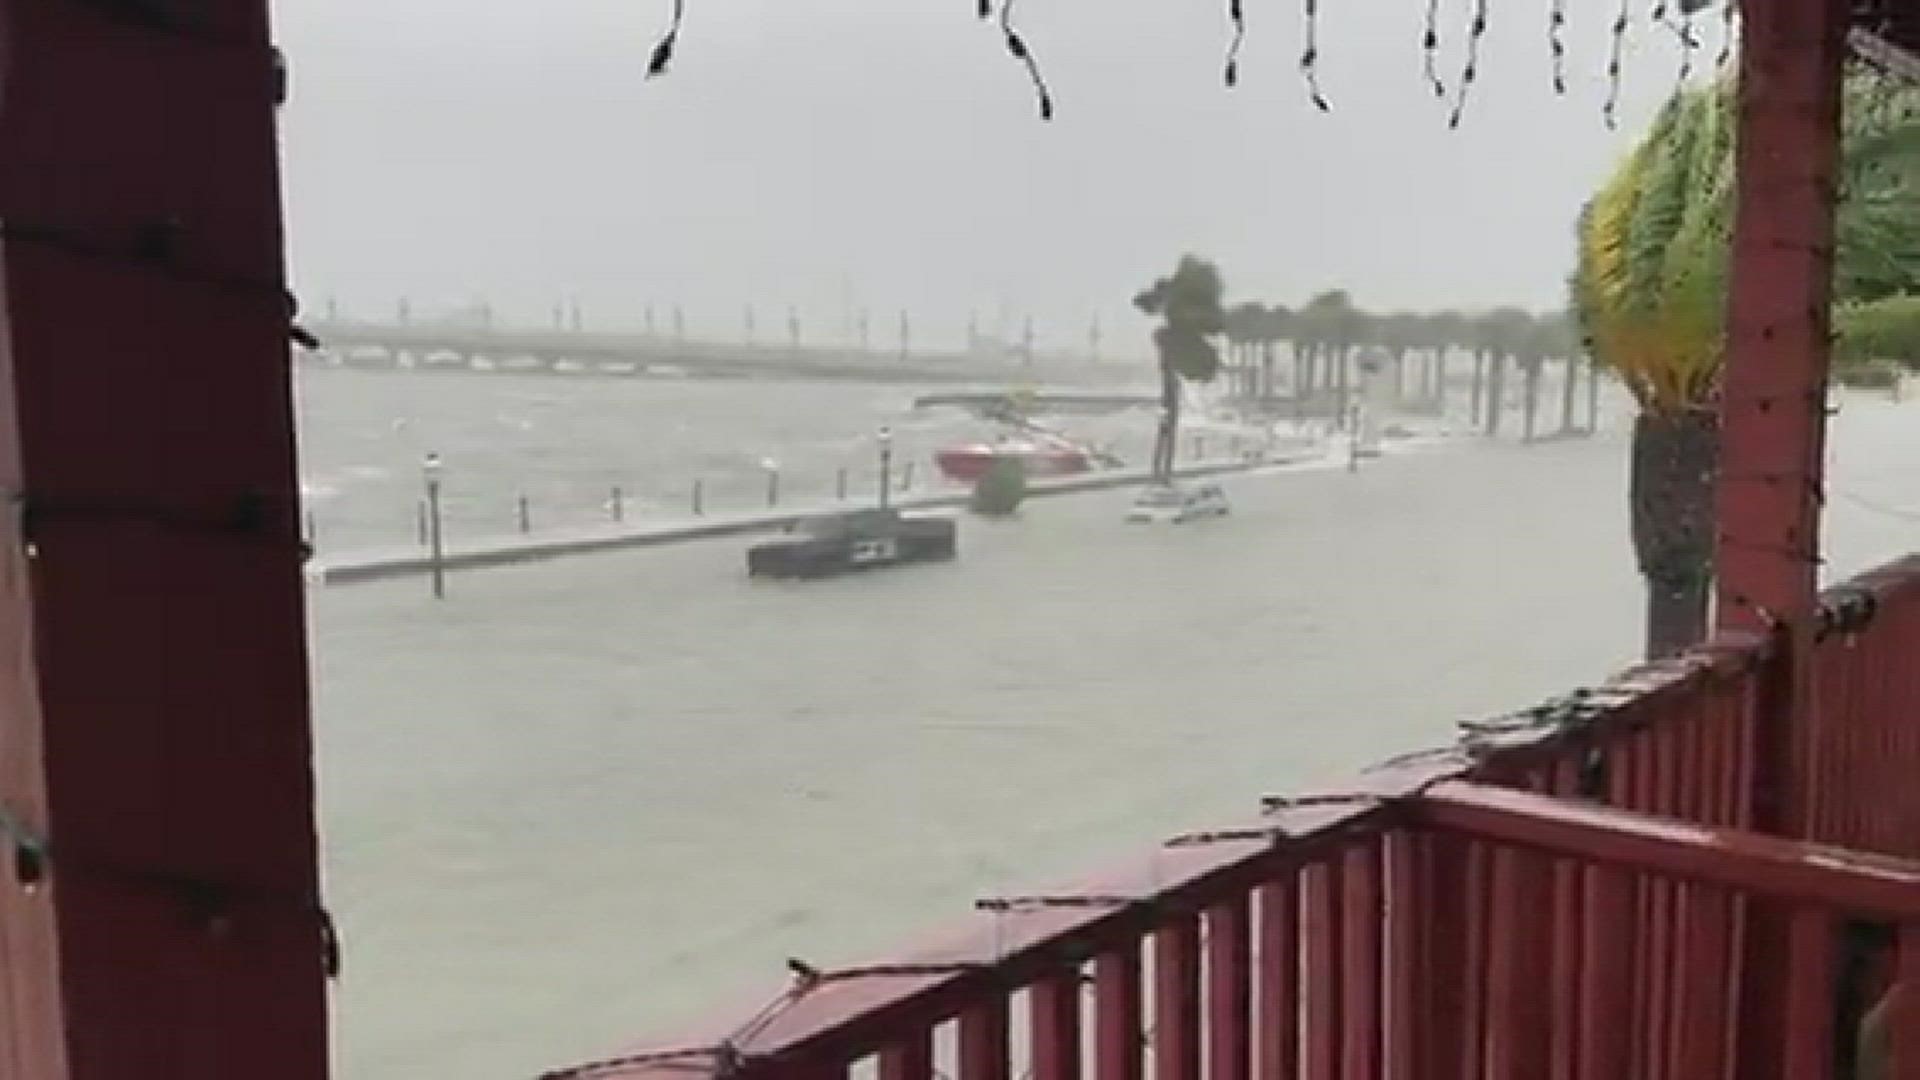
1649	294
1276	327
1445	331
1189	304
1333	326
1503	333
1245	325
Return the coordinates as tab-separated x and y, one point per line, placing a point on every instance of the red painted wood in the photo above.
1448	1018
1611	938
153	680
1176	999
1278	1000
1836	879
1054	1014
1704	1017
1564	970
1230	990
909	1059
1520	937
1361	923
1408	915
1323	909
984	1042
1116	1018
1804	1043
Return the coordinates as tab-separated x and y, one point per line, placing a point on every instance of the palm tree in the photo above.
1333	326
1189	306
1445	331
1398	334
1649	293
1274	329
1547	338
1498	334
1245	323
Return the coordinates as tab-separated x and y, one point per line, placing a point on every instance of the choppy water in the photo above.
580	802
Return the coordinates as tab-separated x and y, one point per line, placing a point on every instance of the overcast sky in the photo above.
804	152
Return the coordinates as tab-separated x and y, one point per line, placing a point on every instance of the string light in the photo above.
1476	31
33	862
663	49
1310	57
153	247
1017	46
1237	15
1611	110
1557	45
1430	50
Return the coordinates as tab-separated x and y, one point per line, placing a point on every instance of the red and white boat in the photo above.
1041	455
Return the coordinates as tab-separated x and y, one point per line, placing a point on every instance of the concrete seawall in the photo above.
378	566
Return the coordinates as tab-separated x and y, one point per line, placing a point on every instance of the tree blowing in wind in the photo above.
1191	309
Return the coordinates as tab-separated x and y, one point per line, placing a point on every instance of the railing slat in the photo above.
1176	999
1360	953
1323	905
1705	1013
1054	1015
1564	975
1278	1000
1408	916
1807	1034
1612	939
1230	990
909	1059
1116	1018
984	1040
1519	1008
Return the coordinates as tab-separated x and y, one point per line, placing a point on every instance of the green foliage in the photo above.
1189	304
1649	290
1001	489
1880	330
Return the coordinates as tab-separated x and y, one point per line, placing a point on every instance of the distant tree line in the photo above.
1325	336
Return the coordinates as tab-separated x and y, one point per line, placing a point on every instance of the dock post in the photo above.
699	492
526	517
617	504
840	484
906	477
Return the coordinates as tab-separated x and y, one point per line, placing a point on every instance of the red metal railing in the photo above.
1566	893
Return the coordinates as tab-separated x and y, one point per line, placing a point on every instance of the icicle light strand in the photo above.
663	49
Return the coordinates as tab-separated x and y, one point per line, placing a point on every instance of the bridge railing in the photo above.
1570	891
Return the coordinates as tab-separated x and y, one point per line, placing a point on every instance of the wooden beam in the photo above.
1791	871
153	678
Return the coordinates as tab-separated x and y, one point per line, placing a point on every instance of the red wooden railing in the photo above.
1565	893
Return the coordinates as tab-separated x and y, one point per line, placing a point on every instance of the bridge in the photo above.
472	349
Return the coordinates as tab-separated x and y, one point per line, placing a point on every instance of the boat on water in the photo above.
1039	455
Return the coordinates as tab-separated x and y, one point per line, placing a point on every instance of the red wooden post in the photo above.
1606	978
909	1059
153	696
1176	999
1054	1009
1773	424
984	1041
1360	981
1229	991
1116	1015
1279	971
1324	906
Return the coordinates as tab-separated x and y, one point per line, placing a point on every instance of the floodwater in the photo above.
586	801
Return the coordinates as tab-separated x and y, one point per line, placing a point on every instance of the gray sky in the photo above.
802	149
